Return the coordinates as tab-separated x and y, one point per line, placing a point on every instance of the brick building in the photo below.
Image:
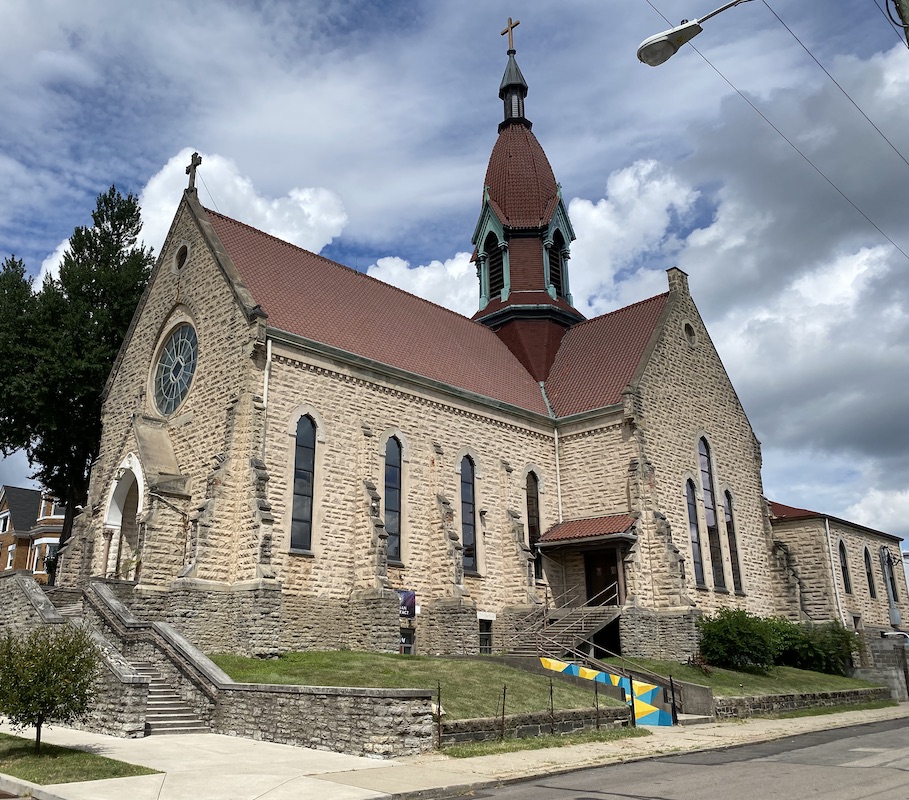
30	526
291	447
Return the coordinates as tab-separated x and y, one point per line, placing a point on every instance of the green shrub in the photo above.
737	639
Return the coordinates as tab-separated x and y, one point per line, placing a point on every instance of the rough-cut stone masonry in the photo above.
520	726
685	394
756	706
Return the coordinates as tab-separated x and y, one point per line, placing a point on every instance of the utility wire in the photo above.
788	141
211	196
836	83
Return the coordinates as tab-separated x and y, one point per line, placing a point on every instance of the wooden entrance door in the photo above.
601	569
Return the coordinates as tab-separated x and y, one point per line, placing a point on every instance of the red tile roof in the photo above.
781	511
310	296
522	186
598	358
784	513
588	528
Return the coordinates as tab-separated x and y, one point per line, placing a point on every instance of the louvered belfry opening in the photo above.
496	265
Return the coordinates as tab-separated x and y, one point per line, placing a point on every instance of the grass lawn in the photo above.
470	749
471	687
729	683
59	764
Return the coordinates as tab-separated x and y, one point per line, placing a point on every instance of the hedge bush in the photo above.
739	640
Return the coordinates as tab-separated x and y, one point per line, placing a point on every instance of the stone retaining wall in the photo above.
755	706
540	723
384	723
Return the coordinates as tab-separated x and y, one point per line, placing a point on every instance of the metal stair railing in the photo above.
528	627
578	616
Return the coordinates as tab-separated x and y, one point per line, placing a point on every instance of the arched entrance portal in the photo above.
121	527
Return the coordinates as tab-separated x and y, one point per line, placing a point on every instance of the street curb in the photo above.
18	786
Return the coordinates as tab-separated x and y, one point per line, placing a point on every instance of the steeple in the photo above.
522	237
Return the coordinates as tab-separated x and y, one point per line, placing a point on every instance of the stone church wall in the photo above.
683	395
356	411
823	583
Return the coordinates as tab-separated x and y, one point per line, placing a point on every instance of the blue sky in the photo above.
362	130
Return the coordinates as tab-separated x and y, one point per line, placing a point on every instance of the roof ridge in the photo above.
357	272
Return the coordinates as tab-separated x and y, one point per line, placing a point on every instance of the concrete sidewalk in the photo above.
214	767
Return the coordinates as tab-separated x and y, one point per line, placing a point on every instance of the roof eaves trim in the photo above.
625	536
244	297
668	307
838	520
583	416
346	357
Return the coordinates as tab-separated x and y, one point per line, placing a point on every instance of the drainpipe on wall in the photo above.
265	391
558	472
833	573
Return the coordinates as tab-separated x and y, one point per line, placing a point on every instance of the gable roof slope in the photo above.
782	513
23	505
322	301
598	358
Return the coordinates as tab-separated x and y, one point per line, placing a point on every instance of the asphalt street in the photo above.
865	761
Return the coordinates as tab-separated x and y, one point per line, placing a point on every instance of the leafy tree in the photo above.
60	343
47	675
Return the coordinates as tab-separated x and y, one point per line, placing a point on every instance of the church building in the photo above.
298	456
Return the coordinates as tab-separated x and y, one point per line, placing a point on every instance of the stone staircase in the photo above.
167	712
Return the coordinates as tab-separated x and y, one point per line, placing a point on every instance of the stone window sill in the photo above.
702	587
299	551
720	590
394	563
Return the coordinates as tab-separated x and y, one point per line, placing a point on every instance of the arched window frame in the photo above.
694	533
534	521
470	528
556	257
732	541
711	517
302	544
844	567
869	573
393	498
889	576
495	266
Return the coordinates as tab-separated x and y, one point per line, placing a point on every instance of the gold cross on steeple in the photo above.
509	29
191	170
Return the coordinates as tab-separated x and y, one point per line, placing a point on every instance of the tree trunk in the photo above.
38	724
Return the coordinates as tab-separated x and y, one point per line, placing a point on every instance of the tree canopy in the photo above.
47	675
60	342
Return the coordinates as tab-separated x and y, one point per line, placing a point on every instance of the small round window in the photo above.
175	368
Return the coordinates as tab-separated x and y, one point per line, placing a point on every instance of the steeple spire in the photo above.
522	237
513	88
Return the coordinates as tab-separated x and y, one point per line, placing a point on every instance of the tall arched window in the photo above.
556	264
697	559
844	566
533	522
713	529
393	498
468	515
869	574
733	542
495	262
889	577
304	469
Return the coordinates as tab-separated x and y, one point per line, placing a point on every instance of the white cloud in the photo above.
637	217
308	217
451	283
882	510
50	267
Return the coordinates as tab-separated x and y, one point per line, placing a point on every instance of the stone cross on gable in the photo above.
509	29
191	170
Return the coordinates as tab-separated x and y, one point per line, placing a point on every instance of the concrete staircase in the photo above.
567	629
167	712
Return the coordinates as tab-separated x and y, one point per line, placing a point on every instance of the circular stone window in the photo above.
175	368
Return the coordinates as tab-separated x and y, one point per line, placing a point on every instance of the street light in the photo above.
656	49
891	634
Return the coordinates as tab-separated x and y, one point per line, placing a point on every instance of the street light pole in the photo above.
656	49
902	8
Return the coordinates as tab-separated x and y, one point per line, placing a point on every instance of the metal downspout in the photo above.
833	573
555	432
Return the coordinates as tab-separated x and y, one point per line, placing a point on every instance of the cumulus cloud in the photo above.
451	283
883	510
308	217
644	206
